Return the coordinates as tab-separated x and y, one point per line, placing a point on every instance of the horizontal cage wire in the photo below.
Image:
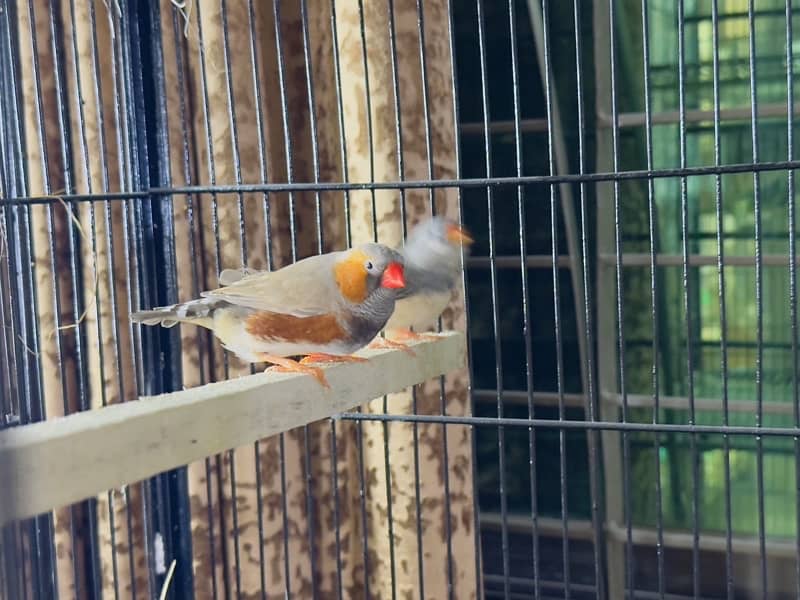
622	417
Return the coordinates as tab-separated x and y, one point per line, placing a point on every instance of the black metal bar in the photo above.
479	592
276	12
346	211
687	306
398	123
371	147
219	459
630	564
32	408
237	171
722	301
478	182
131	167
312	118
232	122
114	305
793	276
348	241
262	165
146	126
371	156
442	392
426	111
654	294
176	481
337	72
10	396
592	441
24	365
554	229
86	516
125	177
362	496
526	310
184	111
498	370
740	430
759	291
398	120
309	473
23	329
401	172
336	509
92	555
737	14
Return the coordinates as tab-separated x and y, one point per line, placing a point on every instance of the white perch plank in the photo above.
57	462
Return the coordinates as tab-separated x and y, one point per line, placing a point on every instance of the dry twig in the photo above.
167	581
185	8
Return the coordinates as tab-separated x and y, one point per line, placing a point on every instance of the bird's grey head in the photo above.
369	277
384	268
432	255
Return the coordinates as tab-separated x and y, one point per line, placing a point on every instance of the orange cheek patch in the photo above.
351	277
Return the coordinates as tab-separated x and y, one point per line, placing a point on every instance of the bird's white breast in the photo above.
418	312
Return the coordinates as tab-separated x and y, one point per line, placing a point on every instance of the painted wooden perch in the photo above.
61	461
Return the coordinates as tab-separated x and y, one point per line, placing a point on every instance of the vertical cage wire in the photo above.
13	568
496	334
759	292
562	451
722	301
529	381
687	295
792	263
654	295
630	565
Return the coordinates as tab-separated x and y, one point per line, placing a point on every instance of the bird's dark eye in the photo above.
369	266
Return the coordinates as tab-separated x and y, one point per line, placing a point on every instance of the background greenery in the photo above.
738	203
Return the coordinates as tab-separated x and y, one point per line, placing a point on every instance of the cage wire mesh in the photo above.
628	425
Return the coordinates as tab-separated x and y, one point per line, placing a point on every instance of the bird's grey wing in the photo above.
301	289
231	276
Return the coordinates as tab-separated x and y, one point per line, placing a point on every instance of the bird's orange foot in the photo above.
407	334
380	342
287	365
320	357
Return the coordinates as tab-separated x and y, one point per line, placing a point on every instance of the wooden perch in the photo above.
61	461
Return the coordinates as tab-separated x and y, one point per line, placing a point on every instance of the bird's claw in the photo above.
380	342
319	357
407	334
314	372
287	365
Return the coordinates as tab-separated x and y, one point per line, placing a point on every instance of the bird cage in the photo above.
607	407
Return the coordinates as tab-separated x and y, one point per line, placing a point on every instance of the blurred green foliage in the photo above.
704	331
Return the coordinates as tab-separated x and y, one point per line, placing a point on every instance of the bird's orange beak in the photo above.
456	235
393	277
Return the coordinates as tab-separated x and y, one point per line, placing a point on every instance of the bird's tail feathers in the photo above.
193	311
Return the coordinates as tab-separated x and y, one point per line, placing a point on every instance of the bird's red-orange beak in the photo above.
393	277
456	235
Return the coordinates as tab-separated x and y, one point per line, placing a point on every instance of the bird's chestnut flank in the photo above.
323	307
